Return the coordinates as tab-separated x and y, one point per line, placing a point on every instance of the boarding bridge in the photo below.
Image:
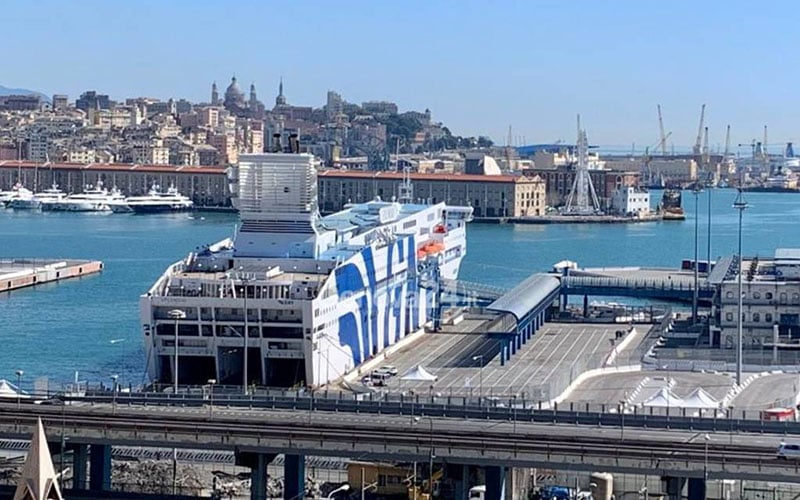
529	304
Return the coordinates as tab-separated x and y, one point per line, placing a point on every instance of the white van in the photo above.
789	450
477	492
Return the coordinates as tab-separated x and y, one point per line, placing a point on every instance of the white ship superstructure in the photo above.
321	294
92	199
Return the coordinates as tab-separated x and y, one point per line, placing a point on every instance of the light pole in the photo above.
705	461
211	383
708	243
696	191
244	279
741	205
430	457
177	315
19	373
342	488
114	379
622	416
479	357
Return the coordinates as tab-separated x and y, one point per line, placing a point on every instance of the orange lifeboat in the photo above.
430	248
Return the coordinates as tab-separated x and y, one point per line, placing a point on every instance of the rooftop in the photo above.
355	174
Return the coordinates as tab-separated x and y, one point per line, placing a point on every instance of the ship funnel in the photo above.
294	144
276	143
789	150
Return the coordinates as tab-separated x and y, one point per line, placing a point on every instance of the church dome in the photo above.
233	93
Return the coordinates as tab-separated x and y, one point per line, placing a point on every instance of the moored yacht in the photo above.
97	199
157	201
7	196
29	201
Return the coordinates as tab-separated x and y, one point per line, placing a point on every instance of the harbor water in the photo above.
91	325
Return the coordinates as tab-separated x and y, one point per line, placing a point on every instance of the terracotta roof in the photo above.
355	174
185	169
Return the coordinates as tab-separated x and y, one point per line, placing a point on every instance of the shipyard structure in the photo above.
295	299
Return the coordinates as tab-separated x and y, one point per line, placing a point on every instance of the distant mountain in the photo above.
10	91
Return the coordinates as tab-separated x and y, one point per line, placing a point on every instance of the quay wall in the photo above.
20	273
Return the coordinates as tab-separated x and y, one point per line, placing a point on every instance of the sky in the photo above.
480	66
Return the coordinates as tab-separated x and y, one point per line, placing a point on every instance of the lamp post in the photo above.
211	383
479	357
708	243
19	373
622	416
430	456
245	280
114	379
705	461
342	488
741	205
696	191
177	315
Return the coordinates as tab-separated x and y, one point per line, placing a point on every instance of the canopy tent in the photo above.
419	373
9	391
664	397
700	399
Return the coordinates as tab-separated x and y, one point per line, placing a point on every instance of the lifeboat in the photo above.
430	248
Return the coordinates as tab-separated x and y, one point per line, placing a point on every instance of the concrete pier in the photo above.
21	273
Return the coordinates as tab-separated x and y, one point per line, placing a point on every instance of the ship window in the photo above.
729	295
756	317
286	189
756	295
729	317
768	295
768	317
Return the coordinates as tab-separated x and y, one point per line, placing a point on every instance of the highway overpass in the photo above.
257	435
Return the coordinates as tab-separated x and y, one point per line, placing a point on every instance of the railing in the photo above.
513	408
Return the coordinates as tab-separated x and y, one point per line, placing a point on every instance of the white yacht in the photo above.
157	201
29	201
7	196
97	199
21	198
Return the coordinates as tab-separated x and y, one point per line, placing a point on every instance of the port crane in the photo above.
663	138
696	150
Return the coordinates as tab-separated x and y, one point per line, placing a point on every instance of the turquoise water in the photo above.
92	325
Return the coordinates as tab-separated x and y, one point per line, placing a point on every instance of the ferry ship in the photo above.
321	294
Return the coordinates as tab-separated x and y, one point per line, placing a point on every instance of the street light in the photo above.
344	487
211	383
696	190
705	460
741	205
622	416
19	373
177	315
479	357
245	280
114	379
430	457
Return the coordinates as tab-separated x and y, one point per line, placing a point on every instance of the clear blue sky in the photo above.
480	66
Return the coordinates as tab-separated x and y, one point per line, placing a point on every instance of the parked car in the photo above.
789	450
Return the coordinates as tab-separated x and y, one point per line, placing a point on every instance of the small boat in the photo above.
157	201
671	208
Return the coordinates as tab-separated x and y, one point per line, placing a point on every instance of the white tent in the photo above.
700	399
664	397
9	391
419	373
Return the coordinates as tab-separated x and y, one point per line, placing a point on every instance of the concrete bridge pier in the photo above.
257	463
100	467
80	456
673	487
696	490
495	483
294	476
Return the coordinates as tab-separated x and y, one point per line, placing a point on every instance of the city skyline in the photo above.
479	68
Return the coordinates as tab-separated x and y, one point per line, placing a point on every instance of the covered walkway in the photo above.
528	304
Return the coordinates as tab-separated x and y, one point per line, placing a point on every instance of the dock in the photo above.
22	273
585	219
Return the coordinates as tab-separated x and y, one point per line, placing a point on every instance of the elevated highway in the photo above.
490	443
